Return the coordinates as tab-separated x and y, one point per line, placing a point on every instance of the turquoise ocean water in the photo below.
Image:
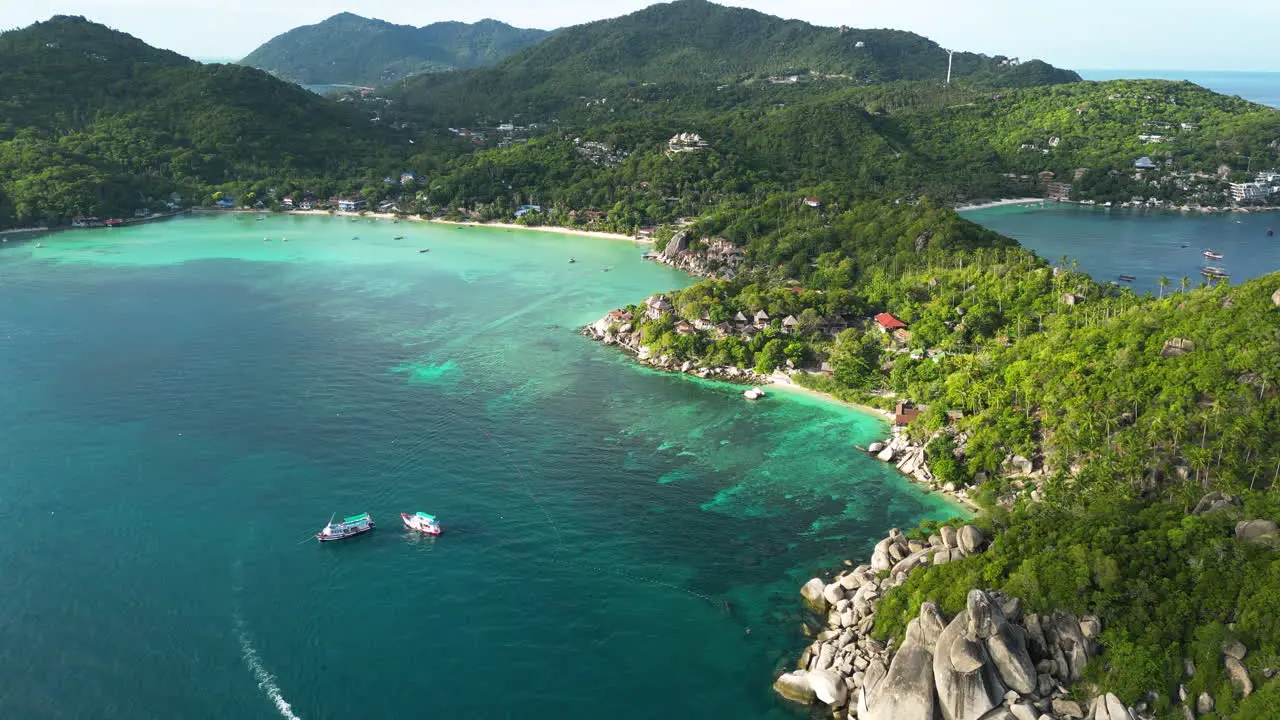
1259	87
1108	243
185	404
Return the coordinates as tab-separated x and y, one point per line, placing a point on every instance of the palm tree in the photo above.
1185	282
1163	282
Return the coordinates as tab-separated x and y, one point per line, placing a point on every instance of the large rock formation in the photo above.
990	662
1252	530
907	692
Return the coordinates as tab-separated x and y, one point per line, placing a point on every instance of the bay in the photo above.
186	403
1147	245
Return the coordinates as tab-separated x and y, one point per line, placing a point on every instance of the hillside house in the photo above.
790	324
351	204
686	142
655	306
684	328
761	320
835	325
888	323
903	415
1144	163
723	329
813	202
740	320
619	316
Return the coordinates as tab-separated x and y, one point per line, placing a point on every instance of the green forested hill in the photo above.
349	49
96	122
695	41
896	140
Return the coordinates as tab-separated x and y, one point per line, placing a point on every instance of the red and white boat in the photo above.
1212	255
422	522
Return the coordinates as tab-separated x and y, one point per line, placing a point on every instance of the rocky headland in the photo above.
990	661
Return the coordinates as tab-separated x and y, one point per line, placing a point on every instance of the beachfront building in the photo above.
1244	192
350	204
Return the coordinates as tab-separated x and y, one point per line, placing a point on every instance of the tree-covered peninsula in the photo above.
1089	422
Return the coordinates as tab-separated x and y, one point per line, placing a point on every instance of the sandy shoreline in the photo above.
787	385
999	203
791	386
419	218
547	229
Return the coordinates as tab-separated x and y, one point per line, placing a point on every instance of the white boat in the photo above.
349	527
422	522
753	393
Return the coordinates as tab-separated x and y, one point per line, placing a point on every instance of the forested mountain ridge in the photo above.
695	41
897	141
353	50
97	122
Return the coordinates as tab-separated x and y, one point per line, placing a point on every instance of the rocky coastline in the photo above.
618	329
990	661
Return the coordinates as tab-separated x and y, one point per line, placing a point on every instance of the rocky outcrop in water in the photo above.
991	661
617	329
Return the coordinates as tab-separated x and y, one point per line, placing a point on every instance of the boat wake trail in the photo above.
266	681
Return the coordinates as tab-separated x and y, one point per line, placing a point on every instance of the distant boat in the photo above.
357	237
1127	278
753	393
572	261
39	244
399	237
1270	232
1184	245
422	250
1212	255
422	522
1213	271
348	528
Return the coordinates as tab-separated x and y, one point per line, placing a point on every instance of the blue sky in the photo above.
1174	34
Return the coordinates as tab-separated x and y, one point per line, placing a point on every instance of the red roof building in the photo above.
889	322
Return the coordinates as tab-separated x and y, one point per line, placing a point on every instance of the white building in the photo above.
1243	192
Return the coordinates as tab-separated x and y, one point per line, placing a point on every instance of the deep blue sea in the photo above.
1259	87
185	404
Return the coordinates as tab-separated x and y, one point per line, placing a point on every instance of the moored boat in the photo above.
1270	232
422	522
349	527
1213	271
1127	278
1212	255
422	250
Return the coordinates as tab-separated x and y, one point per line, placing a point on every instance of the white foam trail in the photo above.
266	681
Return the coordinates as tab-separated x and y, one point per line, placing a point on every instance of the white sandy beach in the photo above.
549	229
999	203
